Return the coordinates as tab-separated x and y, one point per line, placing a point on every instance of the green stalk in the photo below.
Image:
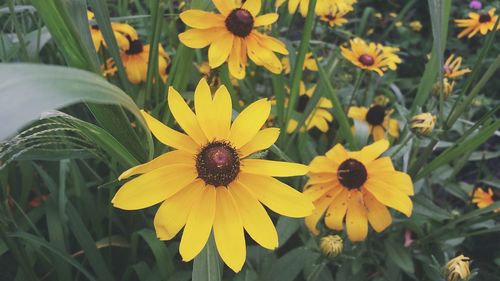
157	7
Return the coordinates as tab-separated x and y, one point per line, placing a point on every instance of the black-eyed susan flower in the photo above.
423	123
330	13
483	198
303	5
309	63
208	183
357	186
372	56
482	23
457	269
122	32
136	58
331	245
232	36
319	117
451	68
378	118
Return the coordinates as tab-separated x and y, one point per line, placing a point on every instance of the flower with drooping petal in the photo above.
457	269
232	36
208	182
482	23
357	186
423	123
451	68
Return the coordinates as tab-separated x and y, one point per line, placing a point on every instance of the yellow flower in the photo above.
136	58
358	186
477	23
378	119
232	36
452	69
448	87
319	117
373	57
121	31
483	198
332	14
457	269
416	25
309	63
342	5
398	24
207	182
424	123
331	245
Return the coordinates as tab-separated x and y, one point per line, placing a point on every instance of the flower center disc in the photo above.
352	173
303	100
484	18
366	60
218	163
375	115
240	22
135	47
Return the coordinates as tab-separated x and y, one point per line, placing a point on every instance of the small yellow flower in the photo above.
303	5
378	119
423	123
451	67
309	63
398	24
357	186
416	25
482	23
331	13
378	15
233	37
393	15
457	269
483	198
121	31
373	57
331	245
208	184
319	117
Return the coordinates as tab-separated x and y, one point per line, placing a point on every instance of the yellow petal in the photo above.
278	196
372	151
262	140
337	154
255	218
292	6
322	164
220	48
356	220
378	133
382	164
169	158
173	213
228	231
389	196
378	215
199	38
271	43
249	122
316	191
224	6
395	179
334	218
205	109
201	19
185	117
168	136
222	105
273	168
253	6
198	225
261	55
153	187
266	19
358	113
235	64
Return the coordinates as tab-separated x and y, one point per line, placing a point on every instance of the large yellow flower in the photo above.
373	57
232	36
378	119
477	23
209	183
358	186
451	67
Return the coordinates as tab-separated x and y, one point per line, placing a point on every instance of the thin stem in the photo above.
359	78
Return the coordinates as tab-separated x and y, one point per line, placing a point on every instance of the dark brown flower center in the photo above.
375	115
366	60
240	22
303	100
484	18
218	163
330	16
135	47
352	173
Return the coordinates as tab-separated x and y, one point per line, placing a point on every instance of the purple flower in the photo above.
475	4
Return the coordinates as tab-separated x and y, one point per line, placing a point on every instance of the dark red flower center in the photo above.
218	163
352	173
135	47
366	60
240	22
484	18
375	115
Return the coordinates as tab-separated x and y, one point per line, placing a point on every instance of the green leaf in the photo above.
206	266
160	252
38	88
399	255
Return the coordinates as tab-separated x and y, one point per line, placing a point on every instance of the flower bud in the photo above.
423	123
457	269
331	245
